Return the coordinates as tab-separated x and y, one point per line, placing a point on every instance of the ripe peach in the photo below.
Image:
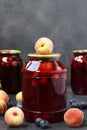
43	81
14	116
3	106
34	83
44	46
46	68
4	96
19	97
73	117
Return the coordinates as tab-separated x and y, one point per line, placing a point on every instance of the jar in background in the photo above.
10	71
79	72
44	88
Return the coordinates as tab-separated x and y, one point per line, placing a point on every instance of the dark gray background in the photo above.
22	22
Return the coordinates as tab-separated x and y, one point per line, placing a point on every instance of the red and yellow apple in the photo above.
19	97
44	46
4	96
3	106
73	117
14	116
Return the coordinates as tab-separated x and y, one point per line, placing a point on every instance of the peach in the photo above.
4	96
43	81
19	97
73	117
14	116
3	106
44	46
46	68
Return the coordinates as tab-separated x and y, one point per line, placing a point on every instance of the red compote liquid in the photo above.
44	88
79	72
10	71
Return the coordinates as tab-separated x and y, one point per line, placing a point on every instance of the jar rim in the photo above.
10	51
53	55
80	51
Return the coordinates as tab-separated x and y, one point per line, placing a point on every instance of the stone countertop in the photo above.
54	126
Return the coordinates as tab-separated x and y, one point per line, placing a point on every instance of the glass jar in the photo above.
44	88
79	72
10	71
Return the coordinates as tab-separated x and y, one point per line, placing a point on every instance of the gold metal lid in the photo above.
53	55
80	51
10	51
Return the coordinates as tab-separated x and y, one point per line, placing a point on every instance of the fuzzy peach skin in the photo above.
4	96
44	46
3	106
19	97
14	116
74	117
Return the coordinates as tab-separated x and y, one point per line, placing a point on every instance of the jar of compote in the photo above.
10	71
79	72
44	87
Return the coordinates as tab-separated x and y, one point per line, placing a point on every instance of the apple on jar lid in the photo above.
44	46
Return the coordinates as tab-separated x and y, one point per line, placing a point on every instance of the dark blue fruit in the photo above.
72	100
76	105
83	105
11	104
19	105
37	121
44	124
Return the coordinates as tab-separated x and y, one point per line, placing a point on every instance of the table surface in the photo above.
54	126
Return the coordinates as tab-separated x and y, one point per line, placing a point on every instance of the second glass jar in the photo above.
44	88
10	71
79	72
